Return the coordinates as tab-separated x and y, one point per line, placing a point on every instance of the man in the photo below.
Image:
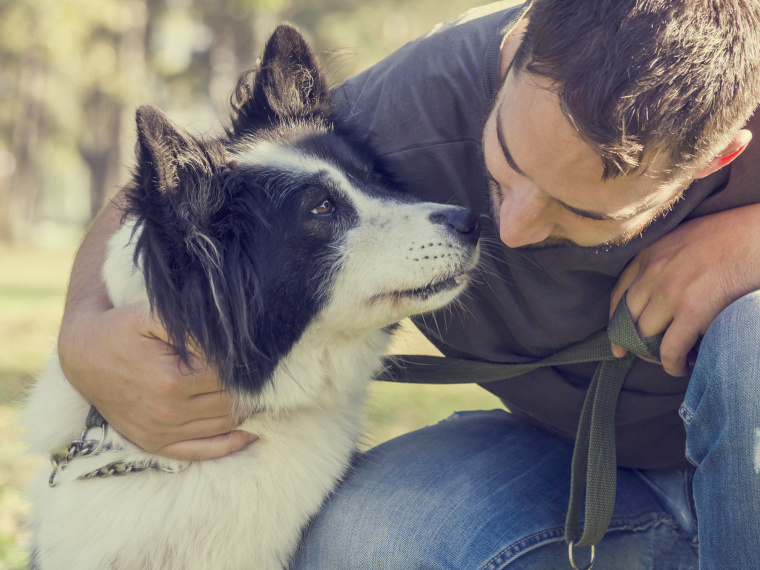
616	137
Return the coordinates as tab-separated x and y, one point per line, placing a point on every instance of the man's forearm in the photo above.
86	287
118	359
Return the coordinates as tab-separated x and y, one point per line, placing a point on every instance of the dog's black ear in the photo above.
163	148
288	84
175	198
174	167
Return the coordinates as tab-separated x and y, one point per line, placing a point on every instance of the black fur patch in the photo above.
234	260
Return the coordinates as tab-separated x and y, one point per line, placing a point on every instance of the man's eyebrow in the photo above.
578	211
513	165
503	145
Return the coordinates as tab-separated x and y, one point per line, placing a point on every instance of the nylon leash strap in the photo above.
594	465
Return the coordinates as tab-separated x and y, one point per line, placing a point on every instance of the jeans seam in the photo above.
685	414
689	475
550	533
621	525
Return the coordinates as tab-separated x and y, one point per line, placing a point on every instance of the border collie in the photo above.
282	254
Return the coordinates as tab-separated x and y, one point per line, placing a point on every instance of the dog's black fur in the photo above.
281	254
217	269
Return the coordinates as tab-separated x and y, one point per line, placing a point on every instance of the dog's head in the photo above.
246	241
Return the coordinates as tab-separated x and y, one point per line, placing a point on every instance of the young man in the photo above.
616	137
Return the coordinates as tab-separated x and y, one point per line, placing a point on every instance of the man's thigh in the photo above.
479	490
721	413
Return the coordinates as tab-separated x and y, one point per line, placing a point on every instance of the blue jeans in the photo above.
482	490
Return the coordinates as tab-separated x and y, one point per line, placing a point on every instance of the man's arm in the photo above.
682	282
117	358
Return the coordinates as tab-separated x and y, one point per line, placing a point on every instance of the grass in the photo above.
32	288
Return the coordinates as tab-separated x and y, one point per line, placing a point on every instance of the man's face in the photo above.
546	187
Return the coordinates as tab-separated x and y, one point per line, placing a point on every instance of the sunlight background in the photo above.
72	73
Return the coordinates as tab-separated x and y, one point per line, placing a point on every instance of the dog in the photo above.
283	254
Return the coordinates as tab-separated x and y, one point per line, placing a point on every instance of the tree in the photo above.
73	71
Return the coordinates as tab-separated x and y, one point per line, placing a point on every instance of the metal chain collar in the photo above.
82	447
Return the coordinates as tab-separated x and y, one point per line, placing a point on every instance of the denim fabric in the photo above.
721	413
482	490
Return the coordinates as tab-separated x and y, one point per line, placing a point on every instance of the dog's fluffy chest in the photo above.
191	519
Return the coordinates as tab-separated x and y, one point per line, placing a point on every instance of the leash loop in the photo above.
590	564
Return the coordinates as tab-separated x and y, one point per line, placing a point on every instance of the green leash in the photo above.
594	466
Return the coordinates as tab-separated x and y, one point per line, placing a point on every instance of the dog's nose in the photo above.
464	222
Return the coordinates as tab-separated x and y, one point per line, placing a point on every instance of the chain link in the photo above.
83	447
118	468
80	447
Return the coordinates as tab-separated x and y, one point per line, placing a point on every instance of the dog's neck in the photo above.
321	368
320	371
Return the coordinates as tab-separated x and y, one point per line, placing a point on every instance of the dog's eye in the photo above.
325	208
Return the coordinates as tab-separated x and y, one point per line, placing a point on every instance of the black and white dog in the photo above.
281	254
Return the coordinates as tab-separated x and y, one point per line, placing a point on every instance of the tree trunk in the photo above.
18	196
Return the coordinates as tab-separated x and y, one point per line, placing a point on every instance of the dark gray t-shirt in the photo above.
424	108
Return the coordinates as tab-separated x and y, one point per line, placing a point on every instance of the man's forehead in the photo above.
539	142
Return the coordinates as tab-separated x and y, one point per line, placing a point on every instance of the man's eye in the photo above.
325	208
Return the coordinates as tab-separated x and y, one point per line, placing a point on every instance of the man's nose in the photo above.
523	217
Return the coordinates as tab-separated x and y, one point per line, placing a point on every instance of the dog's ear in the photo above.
288	84
172	164
163	150
176	196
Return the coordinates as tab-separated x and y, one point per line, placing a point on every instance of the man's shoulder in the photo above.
455	44
489	15
430	81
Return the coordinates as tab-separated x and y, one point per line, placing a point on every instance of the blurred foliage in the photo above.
73	71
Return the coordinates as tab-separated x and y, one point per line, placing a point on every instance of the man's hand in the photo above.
679	284
119	360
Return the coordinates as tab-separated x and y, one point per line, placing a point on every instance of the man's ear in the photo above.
734	149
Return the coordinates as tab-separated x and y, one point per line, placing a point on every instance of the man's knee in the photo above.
736	327
721	403
729	354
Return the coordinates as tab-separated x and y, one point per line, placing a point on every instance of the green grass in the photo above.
32	288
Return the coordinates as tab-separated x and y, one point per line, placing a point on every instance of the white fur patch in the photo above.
273	155
247	510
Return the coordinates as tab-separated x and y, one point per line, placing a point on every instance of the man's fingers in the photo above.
653	319
207	427
678	348
618	351
681	334
202	380
210	447
209	404
158	438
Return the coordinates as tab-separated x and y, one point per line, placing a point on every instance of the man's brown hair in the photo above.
646	78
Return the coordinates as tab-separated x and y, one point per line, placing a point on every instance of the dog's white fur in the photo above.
246	510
